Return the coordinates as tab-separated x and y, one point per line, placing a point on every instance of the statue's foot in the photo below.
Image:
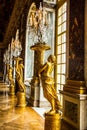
52	112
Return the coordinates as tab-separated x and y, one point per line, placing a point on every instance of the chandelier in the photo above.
16	47
6	57
39	24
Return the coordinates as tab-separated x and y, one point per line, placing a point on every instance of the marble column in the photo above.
37	98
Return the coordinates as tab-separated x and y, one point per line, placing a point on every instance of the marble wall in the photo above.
76	40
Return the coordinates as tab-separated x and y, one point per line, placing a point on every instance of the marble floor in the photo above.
17	118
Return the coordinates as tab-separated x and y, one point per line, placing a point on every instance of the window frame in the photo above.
59	4
32	8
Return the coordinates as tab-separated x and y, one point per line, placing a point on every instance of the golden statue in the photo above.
48	84
19	74
7	72
10	76
21	96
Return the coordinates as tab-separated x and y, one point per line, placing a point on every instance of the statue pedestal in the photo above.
36	91
52	121
75	109
21	99
12	90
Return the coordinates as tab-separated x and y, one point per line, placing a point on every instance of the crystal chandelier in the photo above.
39	25
16	47
6	57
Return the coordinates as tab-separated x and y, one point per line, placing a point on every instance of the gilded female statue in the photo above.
48	84
19	75
10	76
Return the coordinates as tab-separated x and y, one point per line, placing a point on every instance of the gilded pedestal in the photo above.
12	91
52	121
21	99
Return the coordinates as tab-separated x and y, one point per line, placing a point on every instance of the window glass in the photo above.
50	33
61	46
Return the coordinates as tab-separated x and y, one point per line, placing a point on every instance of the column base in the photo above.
35	92
37	98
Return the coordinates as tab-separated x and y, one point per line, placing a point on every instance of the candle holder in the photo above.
39	25
16	47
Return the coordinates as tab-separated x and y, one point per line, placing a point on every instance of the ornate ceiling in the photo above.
6	7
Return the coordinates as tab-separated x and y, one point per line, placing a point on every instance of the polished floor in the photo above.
17	118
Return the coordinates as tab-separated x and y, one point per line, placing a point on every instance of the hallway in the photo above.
16	118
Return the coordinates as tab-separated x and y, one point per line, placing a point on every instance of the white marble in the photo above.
75	109
41	111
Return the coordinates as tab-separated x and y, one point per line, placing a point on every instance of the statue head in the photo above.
52	58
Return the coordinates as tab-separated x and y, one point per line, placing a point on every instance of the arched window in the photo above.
29	54
51	32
